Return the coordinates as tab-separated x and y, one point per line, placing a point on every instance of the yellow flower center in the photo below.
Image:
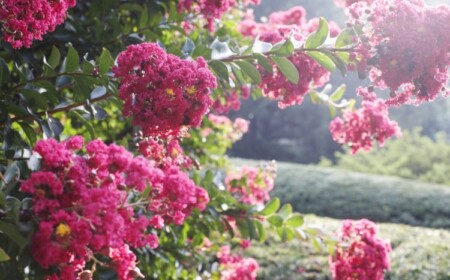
62	230
191	90
170	91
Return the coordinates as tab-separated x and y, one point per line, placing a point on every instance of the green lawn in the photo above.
408	213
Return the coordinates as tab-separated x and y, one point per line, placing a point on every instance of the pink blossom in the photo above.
163	93
233	267
24	21
361	254
359	128
251	185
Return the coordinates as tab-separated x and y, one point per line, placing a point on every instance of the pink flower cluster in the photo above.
163	93
211	9
280	27
231	100
164	152
347	3
251	185
83	207
361	254
234	267
23	21
407	49
229	129
359	128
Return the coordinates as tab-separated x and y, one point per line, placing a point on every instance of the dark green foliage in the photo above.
418	254
412	156
344	194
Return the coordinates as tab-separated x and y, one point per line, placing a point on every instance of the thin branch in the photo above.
300	50
43	78
64	109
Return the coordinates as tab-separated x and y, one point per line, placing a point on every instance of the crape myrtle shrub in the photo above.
112	147
401	158
417	253
380	198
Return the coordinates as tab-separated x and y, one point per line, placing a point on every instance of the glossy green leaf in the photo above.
188	47
220	69
12	233
295	220
72	60
323	60
4	72
285	211
345	38
203	51
260	46
317	38
250	71
261	230
55	58
287	68
264	62
85	122
3	256
338	93
285	48
106	61
275	220
271	207
34	98
12	173
143	19
29	132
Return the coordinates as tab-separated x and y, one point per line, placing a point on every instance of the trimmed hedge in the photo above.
418	254
342	194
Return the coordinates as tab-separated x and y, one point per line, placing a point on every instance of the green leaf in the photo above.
323	60
287	68
275	220
143	20
243	227
188	47
11	173
85	122
55	58
5	75
338	93
344	39
271	207
317	38
105	62
260	47
285	233
250	71
3	256
338	61
220	69
203	51
13	209
285	211
29	132
13	233
261	230
295	220
264	62
72	60
35	98
285	48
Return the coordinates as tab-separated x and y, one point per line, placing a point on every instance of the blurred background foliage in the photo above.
304	136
